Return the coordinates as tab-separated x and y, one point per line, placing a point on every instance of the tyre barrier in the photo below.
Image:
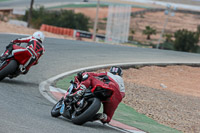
57	30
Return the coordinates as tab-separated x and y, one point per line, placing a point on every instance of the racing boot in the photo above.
9	48
4	57
100	116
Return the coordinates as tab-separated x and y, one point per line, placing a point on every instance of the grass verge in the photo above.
129	116
126	114
88	5
77	6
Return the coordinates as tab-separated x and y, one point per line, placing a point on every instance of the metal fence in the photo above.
118	22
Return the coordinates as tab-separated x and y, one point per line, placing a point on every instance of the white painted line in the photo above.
53	89
43	91
122	130
116	64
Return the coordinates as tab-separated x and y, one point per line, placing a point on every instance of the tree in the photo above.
186	41
131	37
168	37
30	13
132	31
149	31
198	29
62	18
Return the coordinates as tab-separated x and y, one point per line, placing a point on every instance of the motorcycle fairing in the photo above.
21	55
108	92
100	86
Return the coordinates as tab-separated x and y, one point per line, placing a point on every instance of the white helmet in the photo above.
39	35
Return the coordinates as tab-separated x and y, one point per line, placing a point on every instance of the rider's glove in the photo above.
80	93
83	87
14	41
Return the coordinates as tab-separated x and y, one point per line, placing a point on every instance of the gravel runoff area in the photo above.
170	95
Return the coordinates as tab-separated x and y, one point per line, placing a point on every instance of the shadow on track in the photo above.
93	125
19	82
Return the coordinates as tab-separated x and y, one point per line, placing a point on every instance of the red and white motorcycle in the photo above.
14	64
81	109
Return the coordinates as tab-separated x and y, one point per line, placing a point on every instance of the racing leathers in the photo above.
34	48
112	81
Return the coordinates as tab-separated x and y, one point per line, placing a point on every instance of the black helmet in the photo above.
79	75
116	70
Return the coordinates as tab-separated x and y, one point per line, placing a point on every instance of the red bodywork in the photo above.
21	56
92	90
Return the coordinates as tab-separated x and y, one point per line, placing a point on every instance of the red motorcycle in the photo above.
14	64
81	109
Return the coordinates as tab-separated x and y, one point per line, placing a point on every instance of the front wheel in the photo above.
55	112
7	68
89	112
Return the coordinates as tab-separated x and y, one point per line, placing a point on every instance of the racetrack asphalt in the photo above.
23	109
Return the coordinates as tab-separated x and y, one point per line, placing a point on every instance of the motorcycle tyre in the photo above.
89	113
10	68
56	113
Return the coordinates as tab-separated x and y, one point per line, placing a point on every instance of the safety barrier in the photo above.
57	30
78	34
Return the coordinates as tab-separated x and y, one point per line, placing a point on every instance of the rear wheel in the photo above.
7	68
89	112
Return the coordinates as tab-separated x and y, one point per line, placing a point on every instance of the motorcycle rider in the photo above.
34	47
111	79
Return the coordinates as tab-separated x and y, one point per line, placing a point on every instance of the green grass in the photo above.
126	114
129	116
65	82
137	45
77	6
87	5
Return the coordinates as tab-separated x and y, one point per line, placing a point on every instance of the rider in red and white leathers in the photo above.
114	81
34	47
